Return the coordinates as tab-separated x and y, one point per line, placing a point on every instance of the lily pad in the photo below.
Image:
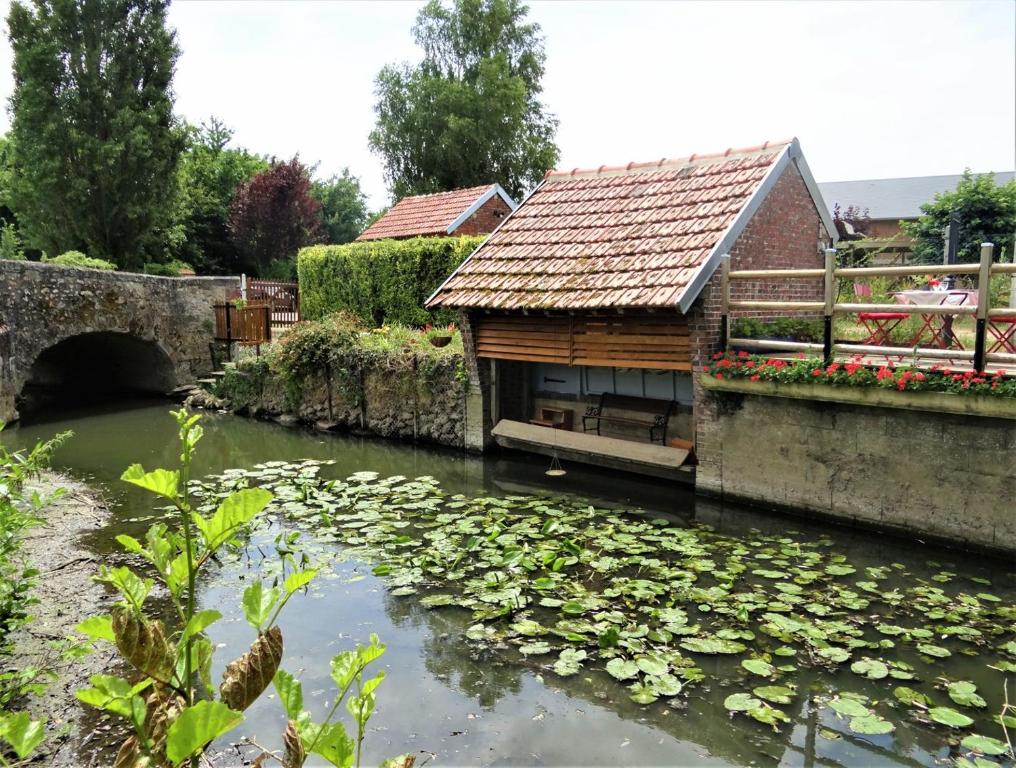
910	697
950	717
935	651
871	724
964	693
741	702
569	662
849	708
986	745
538	648
777	694
873	669
711	645
759	667
622	669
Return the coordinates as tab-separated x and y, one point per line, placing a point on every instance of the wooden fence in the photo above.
250	324
829	307
282	297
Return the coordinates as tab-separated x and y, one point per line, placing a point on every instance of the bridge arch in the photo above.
97	364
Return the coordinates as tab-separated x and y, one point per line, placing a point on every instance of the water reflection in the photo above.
472	706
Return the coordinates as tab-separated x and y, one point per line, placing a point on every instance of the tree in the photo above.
273	215
96	145
343	207
986	212
470	112
210	173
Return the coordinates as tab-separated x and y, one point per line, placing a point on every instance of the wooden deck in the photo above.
642	458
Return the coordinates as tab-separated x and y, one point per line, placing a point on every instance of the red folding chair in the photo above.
880	325
940	326
1003	330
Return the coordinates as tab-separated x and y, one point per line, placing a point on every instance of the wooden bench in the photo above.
656	414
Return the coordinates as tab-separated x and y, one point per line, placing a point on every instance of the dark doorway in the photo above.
95	367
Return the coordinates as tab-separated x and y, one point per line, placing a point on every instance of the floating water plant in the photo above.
647	601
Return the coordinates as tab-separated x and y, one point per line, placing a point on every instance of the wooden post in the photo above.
983	299
830	302
724	300
268	323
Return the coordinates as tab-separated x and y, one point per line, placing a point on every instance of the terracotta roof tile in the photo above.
629	236
424	214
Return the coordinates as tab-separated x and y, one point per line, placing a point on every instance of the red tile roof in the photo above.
426	214
628	236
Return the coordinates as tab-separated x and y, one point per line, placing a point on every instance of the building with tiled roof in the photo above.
604	281
470	211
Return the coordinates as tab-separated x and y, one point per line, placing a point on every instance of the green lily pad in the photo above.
569	662
777	694
935	651
652	665
712	645
910	697
642	694
986	745
834	654
849	708
759	667
950	717
872	669
622	669
964	693
741	702
538	648
871	724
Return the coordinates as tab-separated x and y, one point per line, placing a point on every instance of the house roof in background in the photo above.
438	214
640	235
893	198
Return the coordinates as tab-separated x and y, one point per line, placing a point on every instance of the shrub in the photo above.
10	243
78	259
794	328
169	269
382	281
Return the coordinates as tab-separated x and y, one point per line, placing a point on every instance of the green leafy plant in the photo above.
19	511
78	259
382	281
170	701
10	243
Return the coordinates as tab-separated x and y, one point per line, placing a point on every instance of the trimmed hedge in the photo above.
382	281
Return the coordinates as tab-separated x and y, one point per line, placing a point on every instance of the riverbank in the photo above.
65	595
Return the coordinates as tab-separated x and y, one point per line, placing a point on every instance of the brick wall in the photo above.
783	234
486	219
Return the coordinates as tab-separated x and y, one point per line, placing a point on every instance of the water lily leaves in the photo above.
539	648
840	570
711	645
950	717
622	669
849	707
890	629
964	693
759	667
529	628
741	702
569	662
834	654
652	664
768	715
986	745
642	694
870	668
910	697
871	724
664	685
439	600
777	694
935	651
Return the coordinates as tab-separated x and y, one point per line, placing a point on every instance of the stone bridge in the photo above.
68	331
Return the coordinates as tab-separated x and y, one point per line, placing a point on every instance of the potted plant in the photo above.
439	337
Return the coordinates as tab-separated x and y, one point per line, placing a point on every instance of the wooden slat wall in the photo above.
655	341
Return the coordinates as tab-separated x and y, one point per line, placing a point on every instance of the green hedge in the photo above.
382	281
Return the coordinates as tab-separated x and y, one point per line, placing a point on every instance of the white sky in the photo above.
872	89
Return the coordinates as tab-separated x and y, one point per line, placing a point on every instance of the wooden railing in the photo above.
282	297
250	324
829	307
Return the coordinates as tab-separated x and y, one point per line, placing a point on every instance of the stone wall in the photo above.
925	474
428	407
45	304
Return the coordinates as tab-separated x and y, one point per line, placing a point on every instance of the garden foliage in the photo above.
169	699
382	281
19	511
78	259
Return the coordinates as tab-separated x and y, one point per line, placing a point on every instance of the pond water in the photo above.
468	703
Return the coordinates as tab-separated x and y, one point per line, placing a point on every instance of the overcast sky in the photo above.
872	89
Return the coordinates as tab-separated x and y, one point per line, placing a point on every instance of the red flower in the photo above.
756	377
817	372
742	353
719	376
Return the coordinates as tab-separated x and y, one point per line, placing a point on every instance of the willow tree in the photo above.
470	112
95	142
